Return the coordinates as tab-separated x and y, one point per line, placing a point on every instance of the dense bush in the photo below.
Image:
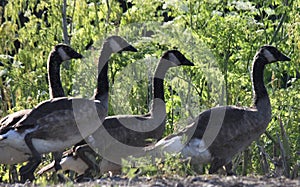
221	37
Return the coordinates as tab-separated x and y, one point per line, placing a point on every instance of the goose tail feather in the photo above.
3	137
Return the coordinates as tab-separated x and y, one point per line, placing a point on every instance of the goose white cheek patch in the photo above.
174	59
63	54
115	46
269	56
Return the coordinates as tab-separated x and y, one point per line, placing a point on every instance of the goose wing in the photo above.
226	134
218	124
228	120
134	130
44	109
10	120
66	114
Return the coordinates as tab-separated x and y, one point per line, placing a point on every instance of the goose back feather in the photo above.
57	124
59	54
134	130
219	133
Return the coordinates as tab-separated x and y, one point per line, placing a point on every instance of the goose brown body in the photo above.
11	119
239	127
60	123
113	44
59	54
133	130
219	133
59	117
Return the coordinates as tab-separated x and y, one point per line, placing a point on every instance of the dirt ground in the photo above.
201	180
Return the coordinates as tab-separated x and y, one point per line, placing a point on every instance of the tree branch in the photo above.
64	23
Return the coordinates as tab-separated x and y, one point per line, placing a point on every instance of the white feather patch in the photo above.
197	150
172	145
174	59
67	163
62	53
16	140
9	155
269	56
70	163
46	146
115	47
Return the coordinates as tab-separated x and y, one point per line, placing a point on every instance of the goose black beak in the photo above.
189	63
129	48
79	56
284	58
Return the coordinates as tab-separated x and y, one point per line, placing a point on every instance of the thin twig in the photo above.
282	19
190	83
264	155
284	147
246	161
272	139
73	12
277	28
64	22
107	15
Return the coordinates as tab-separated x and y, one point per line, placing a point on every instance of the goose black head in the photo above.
118	44
66	52
177	58
272	54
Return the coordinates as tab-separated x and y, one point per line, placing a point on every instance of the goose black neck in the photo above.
55	86
259	89
102	80
158	88
158	80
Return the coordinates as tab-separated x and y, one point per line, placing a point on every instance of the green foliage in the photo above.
220	37
172	164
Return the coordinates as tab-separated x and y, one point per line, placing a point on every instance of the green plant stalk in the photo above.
285	149
264	166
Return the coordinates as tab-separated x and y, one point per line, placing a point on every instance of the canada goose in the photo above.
129	130
219	133
59	54
59	123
